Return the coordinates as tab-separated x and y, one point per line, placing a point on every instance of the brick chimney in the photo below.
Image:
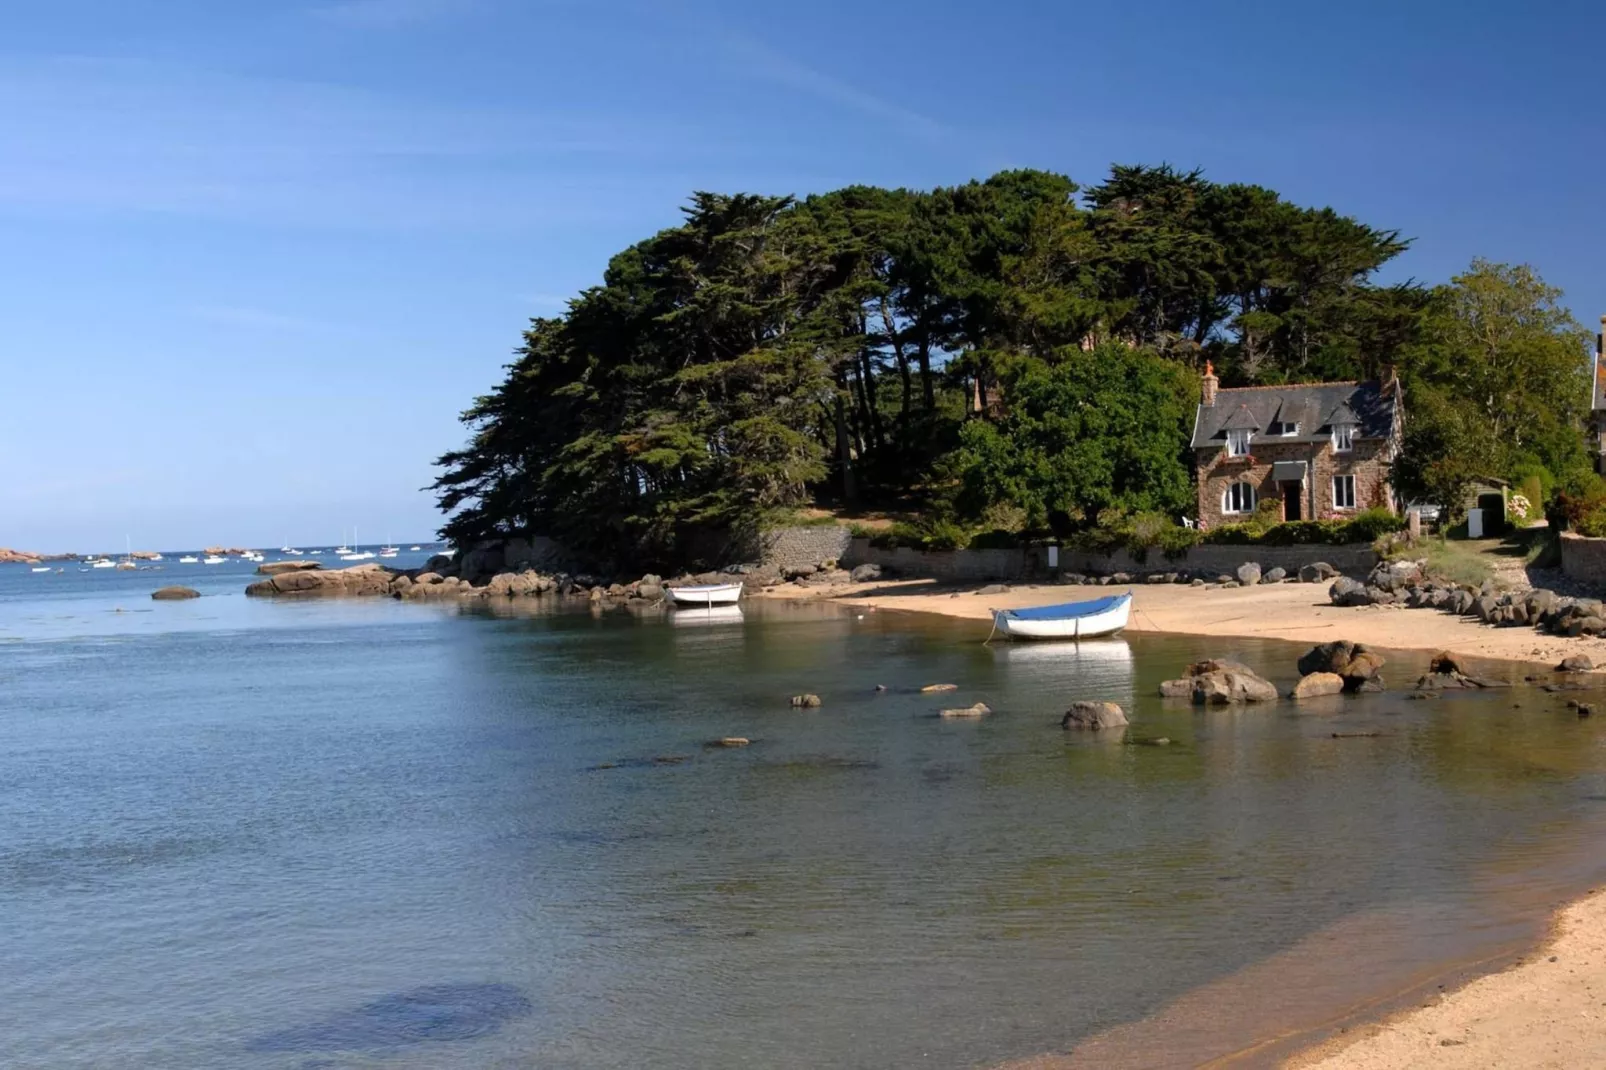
1209	384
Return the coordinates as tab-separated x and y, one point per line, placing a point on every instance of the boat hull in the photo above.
1105	621
720	594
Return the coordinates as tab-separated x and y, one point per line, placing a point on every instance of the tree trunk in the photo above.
844	451
928	391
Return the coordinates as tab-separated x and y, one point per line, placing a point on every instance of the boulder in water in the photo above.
806	701
1094	716
1317	684
175	594
980	709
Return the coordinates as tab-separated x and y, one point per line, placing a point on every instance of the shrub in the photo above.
1365	527
924	535
1592	524
997	539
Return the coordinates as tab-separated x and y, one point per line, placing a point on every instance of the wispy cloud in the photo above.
85	135
392	14
762	61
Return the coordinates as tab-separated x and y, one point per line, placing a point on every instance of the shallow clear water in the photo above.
237	833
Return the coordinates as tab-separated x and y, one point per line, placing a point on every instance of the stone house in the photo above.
1320	450
1597	401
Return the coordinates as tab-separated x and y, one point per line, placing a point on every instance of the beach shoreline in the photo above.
1539	1000
1292	612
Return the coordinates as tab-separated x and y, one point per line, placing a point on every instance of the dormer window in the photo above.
1238	443
1285	430
1343	438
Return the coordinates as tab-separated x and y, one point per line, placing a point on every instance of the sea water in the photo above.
263	834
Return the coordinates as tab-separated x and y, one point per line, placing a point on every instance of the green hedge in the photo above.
1365	527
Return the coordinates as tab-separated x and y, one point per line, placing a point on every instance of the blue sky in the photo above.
259	255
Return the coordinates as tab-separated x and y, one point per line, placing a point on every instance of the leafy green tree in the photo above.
1498	384
1083	433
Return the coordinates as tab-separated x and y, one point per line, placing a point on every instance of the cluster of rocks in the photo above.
1248	574
1341	665
1405	583
1219	682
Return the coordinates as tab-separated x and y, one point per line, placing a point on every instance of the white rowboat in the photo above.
1068	620
713	594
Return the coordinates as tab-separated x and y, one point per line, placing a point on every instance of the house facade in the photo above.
1320	450
1597	402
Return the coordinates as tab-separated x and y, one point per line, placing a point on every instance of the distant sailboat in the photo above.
212	559
388	550
355	554
413	548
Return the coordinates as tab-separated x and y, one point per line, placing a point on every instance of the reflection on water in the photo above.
501	831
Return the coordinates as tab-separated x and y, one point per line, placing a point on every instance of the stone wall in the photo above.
1032	563
1583	559
804	547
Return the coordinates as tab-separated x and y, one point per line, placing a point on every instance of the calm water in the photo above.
357	834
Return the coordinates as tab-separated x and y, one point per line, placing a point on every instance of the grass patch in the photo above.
1459	562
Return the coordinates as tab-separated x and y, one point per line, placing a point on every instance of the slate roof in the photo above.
1313	406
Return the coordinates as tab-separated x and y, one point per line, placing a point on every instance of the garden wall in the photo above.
804	547
1582	558
1032	563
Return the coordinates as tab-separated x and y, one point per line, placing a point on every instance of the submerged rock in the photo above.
175	594
932	688
980	709
420	1015
806	701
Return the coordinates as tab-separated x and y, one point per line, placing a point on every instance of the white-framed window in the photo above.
1237	443
1343	492
1343	438
1238	498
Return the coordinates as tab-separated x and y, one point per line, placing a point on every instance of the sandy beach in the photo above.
1548	1009
1297	612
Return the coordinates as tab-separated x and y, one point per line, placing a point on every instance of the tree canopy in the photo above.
1016	340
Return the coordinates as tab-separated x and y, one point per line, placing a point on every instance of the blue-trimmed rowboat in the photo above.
1068	620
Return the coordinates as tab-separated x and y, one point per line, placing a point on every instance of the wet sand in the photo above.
1546	1005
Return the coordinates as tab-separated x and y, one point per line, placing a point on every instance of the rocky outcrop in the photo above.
225	551
1094	716
273	568
366	579
19	557
1317	685
1220	682
174	594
